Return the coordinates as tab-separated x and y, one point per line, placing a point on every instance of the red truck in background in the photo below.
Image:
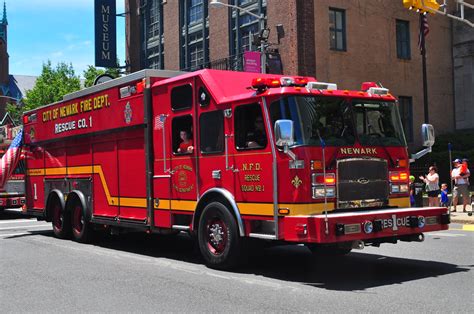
12	194
226	156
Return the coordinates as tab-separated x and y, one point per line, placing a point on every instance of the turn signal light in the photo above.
398	176
319	179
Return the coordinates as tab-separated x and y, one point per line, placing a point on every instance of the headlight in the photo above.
403	188
318	192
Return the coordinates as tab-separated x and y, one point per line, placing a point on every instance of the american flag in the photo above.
160	121
424	30
11	158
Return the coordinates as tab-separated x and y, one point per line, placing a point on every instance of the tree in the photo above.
51	86
92	73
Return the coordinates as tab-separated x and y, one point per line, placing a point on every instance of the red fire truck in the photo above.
226	156
12	195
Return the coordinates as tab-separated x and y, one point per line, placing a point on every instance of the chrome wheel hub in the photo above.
216	234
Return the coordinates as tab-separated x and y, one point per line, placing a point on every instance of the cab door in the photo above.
253	158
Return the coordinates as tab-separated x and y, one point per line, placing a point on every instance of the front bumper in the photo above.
12	201
369	225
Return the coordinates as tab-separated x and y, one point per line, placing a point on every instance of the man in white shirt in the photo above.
461	185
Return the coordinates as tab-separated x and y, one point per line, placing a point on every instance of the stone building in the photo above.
342	41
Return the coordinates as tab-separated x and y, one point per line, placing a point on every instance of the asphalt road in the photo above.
150	273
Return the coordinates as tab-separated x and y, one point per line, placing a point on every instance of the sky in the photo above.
56	30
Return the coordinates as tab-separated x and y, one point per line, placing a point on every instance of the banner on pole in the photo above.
252	62
105	33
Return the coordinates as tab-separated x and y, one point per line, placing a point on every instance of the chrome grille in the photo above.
362	182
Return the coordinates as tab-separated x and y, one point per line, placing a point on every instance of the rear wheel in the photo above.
218	237
82	229
60	219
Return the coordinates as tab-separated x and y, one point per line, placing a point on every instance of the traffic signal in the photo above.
422	6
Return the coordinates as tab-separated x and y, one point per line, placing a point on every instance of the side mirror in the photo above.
284	133
428	135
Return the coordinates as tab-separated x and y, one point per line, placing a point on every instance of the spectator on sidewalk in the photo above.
432	186
461	185
412	191
444	195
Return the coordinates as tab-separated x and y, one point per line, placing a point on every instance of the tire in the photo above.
330	249
82	229
60	219
218	238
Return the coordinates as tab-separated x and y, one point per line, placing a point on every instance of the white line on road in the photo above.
28	227
13	234
17	221
453	235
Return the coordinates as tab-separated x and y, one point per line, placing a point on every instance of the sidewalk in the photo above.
462	218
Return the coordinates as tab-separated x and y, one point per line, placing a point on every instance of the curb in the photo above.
462	220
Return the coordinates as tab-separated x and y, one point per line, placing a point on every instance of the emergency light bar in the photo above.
321	86
378	91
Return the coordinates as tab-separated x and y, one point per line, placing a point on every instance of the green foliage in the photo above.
462	147
92	73
51	86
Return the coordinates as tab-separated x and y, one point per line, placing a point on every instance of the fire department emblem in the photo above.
128	113
183	181
296	181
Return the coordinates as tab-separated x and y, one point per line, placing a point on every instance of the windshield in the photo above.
378	123
336	121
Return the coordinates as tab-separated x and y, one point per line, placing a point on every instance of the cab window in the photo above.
211	132
183	135
249	127
182	97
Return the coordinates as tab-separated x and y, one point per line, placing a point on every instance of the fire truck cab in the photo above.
226	156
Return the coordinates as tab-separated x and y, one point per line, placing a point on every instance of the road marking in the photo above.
468	227
452	235
18	227
17	221
13	234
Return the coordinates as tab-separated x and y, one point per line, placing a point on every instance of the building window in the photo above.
249	127
152	26
403	39
194	34
405	107
243	27
337	29
212	138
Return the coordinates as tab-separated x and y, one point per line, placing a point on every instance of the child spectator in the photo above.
444	195
464	168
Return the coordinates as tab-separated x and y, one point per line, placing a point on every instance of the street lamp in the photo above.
261	18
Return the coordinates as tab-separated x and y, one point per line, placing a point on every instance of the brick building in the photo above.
341	41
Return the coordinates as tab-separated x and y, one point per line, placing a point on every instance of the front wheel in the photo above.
218	237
